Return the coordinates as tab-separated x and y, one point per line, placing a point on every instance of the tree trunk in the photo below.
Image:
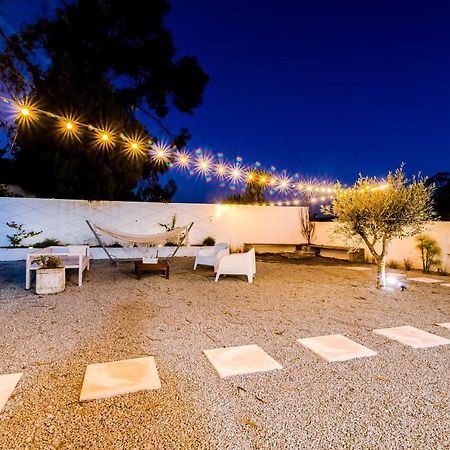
381	271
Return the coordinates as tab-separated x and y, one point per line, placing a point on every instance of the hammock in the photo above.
177	236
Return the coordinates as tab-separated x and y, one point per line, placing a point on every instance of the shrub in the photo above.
408	264
20	234
429	250
444	271
392	264
209	241
46	243
49	262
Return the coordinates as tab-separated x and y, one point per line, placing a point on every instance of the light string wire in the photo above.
198	162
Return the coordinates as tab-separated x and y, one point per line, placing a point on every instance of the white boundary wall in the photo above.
65	220
398	249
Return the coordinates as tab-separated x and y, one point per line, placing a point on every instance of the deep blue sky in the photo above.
324	88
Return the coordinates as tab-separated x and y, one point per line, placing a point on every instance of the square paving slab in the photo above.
241	360
424	280
119	377
7	384
359	268
336	347
445	325
412	336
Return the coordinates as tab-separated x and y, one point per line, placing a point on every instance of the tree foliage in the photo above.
441	193
106	62
378	211
254	192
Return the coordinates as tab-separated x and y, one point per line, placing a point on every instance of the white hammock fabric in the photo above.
177	235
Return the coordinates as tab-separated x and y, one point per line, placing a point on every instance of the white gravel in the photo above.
399	398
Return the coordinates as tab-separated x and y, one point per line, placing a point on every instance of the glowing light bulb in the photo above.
25	111
105	137
134	146
160	154
69	125
263	179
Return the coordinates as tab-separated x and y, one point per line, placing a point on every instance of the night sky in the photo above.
328	89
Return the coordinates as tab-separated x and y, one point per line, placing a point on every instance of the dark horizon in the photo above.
329	90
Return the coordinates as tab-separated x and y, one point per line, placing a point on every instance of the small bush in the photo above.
429	251
47	243
49	262
392	264
407	264
444	271
209	241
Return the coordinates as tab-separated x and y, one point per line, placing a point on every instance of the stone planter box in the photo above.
50	281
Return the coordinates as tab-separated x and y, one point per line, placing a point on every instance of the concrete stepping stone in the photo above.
119	377
445	325
424	280
359	268
412	337
240	360
336	347
7	384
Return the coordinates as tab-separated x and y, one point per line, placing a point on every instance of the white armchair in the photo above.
238	264
211	256
72	257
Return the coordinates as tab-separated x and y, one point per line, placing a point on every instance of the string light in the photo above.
103	138
202	165
160	152
220	169
236	174
70	127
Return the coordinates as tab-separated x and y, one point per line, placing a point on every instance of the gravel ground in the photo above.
397	399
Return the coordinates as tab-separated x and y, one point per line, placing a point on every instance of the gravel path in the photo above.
397	399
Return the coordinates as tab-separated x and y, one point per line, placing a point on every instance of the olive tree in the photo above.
377	211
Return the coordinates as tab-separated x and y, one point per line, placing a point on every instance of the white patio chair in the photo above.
211	256
238	264
72	257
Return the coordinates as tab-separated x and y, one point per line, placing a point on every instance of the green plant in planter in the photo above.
209	241
20	234
49	262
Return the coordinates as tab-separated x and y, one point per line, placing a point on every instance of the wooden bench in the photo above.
336	251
